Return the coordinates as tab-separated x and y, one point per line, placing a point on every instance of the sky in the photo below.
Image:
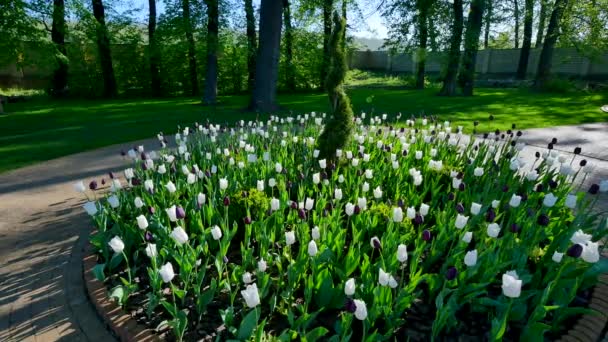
375	29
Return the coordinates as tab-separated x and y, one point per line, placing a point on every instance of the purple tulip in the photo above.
111	175
180	213
490	215
357	210
461	186
553	184
93	185
136	181
151	210
554	141
594	189
404	153
537	154
426	235
451	196
226	201
451	273
583	162
539	188
460	208
400	203
225	259
247	220
505	188
350	305
123	153
543	220
515	228
294	205
577	150
148	236
575	251
302	214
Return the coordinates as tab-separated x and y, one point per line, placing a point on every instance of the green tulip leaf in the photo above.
248	324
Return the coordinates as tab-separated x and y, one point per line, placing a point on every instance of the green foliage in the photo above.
338	130
560	86
255	201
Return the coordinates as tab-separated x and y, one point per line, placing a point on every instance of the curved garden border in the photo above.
588	328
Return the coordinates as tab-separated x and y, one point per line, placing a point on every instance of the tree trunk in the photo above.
105	54
449	82
433	34
344	3
546	55
210	96
327	8
516	15
524	54
267	65
60	74
191	51
471	45
154	53
489	13
290	76
252	45
423	34
542	18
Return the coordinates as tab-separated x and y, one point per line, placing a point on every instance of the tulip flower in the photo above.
322	163
603	186
341	179
470	259
424	209
90	208
493	230
402	253
411	213
590	252
495	204
571	201
361	309
116	244
251	296
549	200
349	208
201	199
377	192
451	273
579	237
467	237
79	187
475	208
312	248
260	185
262	265
511	284
365	187
478	172
166	272
151	251
515	201
142	222
397	214
557	257
170	187
179	235
362	203
349	287
290	238
316	234
172	213
114	202
162	169
247	278
369	174
375	243
383	277
216	233
338	194
223	184
129	173
461	221
278	167
309	204
149	185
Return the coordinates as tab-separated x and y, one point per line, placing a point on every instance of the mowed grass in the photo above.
40	130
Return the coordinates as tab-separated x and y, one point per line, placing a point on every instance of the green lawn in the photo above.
42	129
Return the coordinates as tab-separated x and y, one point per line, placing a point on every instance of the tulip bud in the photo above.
375	243
426	235
575	250
226	201
451	273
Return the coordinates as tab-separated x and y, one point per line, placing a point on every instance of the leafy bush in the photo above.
417	232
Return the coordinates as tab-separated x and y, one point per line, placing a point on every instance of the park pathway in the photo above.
43	231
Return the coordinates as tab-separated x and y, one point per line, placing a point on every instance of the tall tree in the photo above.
516	15
339	128
423	34
267	62
546	55
542	18
488	22
524	54
210	95
58	29
251	43
328	6
290	75
449	81
471	45
154	51
187	21
105	54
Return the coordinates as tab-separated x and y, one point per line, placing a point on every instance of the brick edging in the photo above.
588	328
114	317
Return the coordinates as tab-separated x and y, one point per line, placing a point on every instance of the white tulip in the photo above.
278	167
290	238
223	184
149	185
179	235
262	265
355	162
369	174
511	284
467	237
383	277
470	259
397	214
549	200
362	203
571	201
216	233
166	272
316	233
90	208
142	222
274	204
315	153
322	163
378	192
191	178
338	194
557	257
309	204
418	155
515	201
116	244
478	172
172	213
79	187
349	287
493	230
316	178
365	187
424	209
129	173
392	282
260	185
365	157
114	202
604	185
116	185
475	208
339	153
580	237
247	278
151	250
170	187
251	296
495	204
532	175
410	213
349	155
349	209
162	169
402	253
340	179
590	252
360	310
461	221
201	198
312	248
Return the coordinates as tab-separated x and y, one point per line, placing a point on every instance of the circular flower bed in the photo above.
414	232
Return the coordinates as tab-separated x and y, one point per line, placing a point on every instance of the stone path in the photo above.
43	231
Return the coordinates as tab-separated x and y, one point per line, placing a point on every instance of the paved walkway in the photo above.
43	230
